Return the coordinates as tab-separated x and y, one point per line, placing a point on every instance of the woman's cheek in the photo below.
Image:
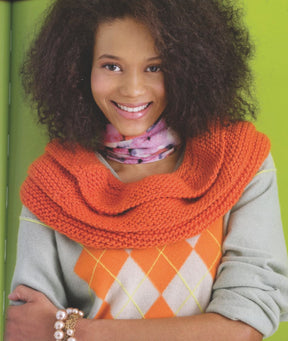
101	86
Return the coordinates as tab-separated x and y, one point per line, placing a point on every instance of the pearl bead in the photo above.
70	332
59	325
59	335
71	339
69	311
75	311
81	314
61	315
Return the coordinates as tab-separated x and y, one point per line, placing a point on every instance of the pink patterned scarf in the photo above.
155	144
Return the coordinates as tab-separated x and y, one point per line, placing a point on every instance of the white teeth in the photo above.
135	109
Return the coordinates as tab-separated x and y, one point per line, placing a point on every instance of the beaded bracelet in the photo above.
65	324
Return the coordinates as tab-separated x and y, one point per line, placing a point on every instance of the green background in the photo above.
267	20
4	103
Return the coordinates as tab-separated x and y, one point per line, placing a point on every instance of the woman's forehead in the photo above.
126	35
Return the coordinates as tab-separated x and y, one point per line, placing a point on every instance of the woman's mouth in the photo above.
130	111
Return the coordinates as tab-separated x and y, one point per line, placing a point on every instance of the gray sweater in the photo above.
252	279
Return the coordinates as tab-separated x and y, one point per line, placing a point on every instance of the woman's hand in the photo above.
34	320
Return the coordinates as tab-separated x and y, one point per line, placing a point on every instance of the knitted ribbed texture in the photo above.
75	194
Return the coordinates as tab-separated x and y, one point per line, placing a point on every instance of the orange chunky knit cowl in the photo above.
75	194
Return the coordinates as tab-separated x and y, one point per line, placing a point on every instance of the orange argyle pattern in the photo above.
166	281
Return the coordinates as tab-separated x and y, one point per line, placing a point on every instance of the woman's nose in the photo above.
133	84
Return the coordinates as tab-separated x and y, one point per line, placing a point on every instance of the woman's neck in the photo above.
156	144
133	173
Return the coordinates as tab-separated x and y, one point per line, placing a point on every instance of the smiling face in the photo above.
126	78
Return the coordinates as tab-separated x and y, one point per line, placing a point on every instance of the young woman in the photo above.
154	208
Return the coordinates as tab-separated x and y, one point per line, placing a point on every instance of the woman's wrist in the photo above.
65	325
85	330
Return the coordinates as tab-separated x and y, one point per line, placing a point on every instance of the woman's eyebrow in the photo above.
153	58
110	56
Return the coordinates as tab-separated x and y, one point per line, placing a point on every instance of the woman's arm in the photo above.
35	319
204	327
252	281
37	264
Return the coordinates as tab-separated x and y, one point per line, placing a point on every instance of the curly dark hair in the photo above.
205	49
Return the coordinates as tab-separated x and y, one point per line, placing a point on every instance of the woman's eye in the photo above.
154	68
112	67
